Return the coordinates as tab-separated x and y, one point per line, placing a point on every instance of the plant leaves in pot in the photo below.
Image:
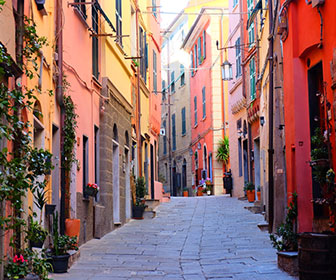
60	247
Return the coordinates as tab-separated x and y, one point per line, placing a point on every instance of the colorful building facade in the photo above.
308	37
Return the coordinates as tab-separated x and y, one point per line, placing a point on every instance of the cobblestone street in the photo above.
190	238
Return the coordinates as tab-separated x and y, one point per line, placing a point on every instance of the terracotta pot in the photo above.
250	196
259	195
72	227
185	193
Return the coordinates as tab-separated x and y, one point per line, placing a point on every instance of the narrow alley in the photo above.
190	238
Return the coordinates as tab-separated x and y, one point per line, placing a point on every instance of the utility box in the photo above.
316	3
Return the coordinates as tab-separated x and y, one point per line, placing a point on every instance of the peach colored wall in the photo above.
83	89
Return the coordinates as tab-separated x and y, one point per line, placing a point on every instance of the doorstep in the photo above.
288	262
74	256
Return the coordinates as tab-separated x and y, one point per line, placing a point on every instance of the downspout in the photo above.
59	98
138	113
270	117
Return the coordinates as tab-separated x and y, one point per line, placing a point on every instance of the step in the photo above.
263	226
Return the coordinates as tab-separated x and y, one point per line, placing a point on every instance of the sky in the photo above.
174	6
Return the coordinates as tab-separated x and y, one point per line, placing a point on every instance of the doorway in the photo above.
115	178
256	163
245	161
152	170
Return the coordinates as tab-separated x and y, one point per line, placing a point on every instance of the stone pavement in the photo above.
190	238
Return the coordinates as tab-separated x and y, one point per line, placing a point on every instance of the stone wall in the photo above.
117	112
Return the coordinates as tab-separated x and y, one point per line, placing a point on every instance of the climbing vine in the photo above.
69	132
21	165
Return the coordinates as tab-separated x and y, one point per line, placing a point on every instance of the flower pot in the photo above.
259	195
208	192
250	196
36	244
49	209
185	193
90	191
32	277
72	227
60	263
317	256
138	212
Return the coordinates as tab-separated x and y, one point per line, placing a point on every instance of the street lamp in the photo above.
226	71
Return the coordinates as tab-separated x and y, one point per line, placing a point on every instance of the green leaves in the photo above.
223	152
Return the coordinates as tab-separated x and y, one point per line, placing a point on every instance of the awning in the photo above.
254	14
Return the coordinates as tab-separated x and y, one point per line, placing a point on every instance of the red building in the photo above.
308	32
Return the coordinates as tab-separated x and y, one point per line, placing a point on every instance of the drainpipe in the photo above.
138	111
59	98
270	117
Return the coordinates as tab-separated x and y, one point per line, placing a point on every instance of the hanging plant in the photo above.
223	152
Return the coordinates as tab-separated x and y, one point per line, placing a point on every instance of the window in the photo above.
85	165
165	138
195	54
195	110
173	132
251	34
143	48
119	21
182	75
203	102
235	3
251	28
154	73
240	160
81	8
163	90
154	8
192	64
172	75
238	58
95	70
252	79
199	45
183	117
204	44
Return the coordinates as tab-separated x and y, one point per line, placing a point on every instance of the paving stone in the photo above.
189	239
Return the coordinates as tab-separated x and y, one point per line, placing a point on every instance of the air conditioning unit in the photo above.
162	132
316	3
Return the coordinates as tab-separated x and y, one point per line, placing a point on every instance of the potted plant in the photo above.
29	265
258	193
223	152
36	234
17	267
285	240
317	250
209	186
139	203
185	192
91	189
250	191
60	246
